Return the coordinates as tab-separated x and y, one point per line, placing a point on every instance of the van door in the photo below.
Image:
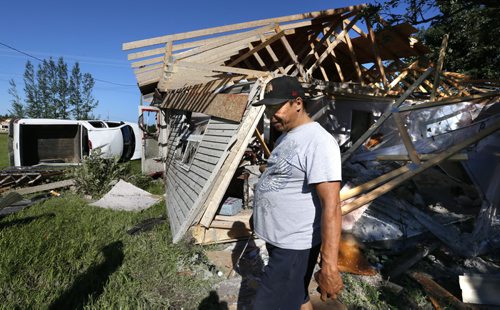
149	123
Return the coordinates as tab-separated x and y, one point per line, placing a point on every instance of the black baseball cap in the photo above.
281	89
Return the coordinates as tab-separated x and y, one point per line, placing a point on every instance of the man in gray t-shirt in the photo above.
297	204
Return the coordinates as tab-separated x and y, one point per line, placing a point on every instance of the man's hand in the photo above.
330	284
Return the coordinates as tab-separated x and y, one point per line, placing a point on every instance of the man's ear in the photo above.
300	103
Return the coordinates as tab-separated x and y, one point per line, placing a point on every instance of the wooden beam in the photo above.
264	44
238	26
438	158
226	40
338	39
262	64
358	190
226	69
403	133
142	63
293	56
386	114
148	69
439	66
423	157
275	59
376	53
448	101
439	294
203	235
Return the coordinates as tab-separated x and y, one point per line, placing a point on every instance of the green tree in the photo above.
473	26
50	93
81	100
472	46
33	106
17	106
75	94
62	96
89	103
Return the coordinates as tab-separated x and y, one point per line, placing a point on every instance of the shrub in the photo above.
96	175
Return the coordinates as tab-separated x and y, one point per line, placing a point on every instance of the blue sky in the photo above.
92	32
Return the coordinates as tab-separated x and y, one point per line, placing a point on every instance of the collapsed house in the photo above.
394	114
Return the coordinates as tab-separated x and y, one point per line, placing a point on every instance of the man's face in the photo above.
282	116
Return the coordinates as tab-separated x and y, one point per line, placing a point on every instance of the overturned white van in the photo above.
54	141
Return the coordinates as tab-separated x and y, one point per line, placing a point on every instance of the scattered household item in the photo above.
231	206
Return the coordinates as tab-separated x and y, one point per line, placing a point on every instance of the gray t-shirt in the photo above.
287	210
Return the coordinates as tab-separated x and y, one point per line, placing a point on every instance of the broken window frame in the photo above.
188	143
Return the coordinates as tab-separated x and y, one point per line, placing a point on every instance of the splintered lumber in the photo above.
376	53
456	157
385	116
45	187
203	235
403	133
418	169
437	292
439	66
373	183
330	47
447	101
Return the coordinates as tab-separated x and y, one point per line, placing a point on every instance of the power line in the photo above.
15	49
41	60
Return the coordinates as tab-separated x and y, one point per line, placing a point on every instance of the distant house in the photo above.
4	125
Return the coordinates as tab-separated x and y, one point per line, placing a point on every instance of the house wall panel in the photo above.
185	182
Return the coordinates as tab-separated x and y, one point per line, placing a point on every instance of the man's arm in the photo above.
328	277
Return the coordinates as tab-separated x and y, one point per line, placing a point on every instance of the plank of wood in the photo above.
344	195
149	61
403	133
293	56
445	298
439	67
447	101
376	53
238	26
149	69
386	115
45	187
364	199
422	157
227	40
202	235
352	55
338	39
271	53
225	69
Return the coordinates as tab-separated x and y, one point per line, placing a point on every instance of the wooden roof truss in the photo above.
337	45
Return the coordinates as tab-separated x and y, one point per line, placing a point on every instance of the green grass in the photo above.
4	151
66	254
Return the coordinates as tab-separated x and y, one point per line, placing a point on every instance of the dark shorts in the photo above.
286	278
